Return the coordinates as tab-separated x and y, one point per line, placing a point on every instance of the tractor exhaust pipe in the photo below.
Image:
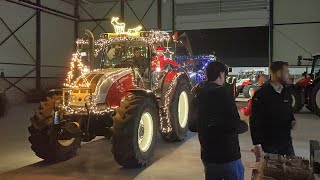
91	48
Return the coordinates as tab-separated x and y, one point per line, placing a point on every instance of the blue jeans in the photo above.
228	171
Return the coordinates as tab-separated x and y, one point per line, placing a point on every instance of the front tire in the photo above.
178	112
43	135
315	98
135	130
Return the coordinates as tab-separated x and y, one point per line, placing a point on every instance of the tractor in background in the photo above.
125	86
247	80
306	89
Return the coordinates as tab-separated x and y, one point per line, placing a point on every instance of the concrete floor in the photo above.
172	161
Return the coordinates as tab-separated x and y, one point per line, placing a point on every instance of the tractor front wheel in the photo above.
135	130
43	135
315	99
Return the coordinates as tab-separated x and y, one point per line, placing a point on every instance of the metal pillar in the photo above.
122	10
38	47
159	14
271	24
173	16
76	23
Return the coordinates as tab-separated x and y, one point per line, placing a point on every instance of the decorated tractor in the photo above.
124	86
195	66
248	80
306	89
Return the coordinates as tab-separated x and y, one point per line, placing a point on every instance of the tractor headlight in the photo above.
73	98
87	99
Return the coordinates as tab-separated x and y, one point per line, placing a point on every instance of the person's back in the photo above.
218	123
214	115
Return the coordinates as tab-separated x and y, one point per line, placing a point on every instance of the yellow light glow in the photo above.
135	30
119	28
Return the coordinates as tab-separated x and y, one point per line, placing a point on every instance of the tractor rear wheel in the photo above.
178	112
297	100
135	130
315	98
43	135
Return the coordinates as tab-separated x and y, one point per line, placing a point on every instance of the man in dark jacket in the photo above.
216	117
272	117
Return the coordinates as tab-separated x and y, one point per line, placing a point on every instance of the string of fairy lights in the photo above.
165	123
76	61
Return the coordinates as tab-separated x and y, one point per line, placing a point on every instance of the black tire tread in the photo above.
123	147
43	137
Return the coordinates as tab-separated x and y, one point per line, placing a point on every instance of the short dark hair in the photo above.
277	66
214	69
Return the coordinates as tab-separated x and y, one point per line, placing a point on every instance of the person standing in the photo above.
272	116
214	115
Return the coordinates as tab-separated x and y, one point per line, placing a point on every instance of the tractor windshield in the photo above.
130	53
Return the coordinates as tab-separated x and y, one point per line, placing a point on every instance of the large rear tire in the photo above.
315	98
178	112
43	135
297	100
135	130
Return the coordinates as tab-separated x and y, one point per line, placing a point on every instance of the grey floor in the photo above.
172	161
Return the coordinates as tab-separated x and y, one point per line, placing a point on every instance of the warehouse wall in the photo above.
291	40
214	14
56	39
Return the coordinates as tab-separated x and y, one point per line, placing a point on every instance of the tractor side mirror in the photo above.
299	60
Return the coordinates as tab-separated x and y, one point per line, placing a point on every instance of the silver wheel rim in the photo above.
66	142
145	132
183	109
293	100
318	98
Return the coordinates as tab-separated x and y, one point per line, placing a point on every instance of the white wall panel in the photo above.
291	40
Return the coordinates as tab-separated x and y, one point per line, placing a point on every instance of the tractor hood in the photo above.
101	81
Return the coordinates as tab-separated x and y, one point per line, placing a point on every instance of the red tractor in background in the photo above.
306	89
248	80
124	86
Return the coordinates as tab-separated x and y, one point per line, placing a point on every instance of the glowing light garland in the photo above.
166	109
76	61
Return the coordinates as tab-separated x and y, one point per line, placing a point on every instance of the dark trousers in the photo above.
285	149
228	171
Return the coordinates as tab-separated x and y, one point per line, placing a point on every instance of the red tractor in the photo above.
306	89
135	91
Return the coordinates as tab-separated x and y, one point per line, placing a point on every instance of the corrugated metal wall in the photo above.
17	59
214	14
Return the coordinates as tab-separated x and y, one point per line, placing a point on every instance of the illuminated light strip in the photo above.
76	58
166	107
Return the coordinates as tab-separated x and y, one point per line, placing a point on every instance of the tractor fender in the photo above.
143	92
170	82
